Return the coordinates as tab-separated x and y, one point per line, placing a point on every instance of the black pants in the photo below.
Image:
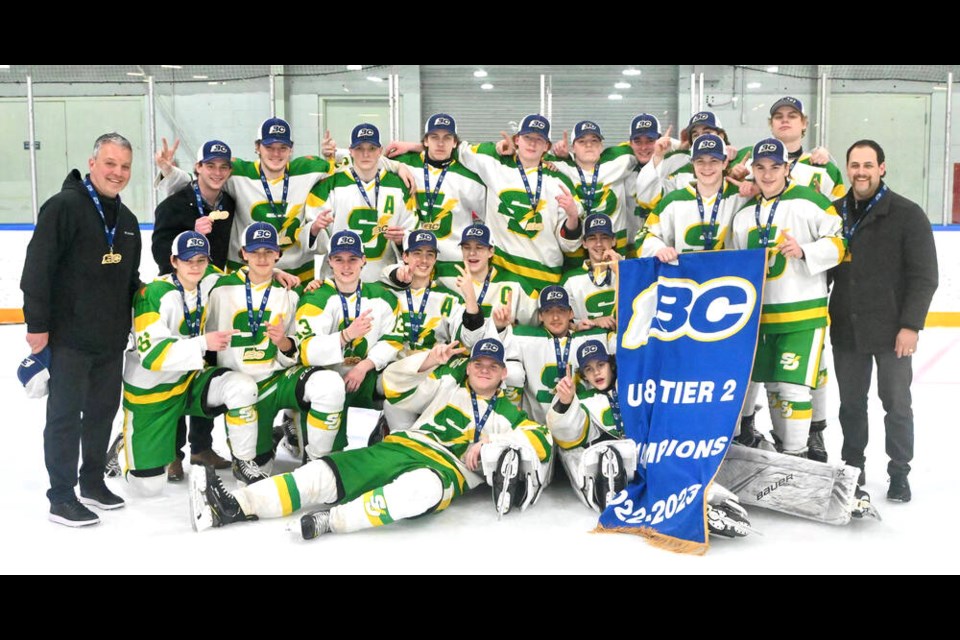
201	435
894	376
84	397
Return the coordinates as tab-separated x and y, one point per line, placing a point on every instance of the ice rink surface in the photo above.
154	536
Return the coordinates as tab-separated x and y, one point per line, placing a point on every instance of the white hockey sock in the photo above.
412	494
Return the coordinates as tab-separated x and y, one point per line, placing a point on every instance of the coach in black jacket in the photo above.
881	293
79	277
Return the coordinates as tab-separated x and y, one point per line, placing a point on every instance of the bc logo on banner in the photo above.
687	336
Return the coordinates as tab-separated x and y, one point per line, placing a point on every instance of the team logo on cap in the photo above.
767	147
537	124
707	144
589	349
598	222
422	236
196	242
555	295
644	124
346	240
700	117
588	126
262	234
275	128
474	231
442	121
489	346
790	100
219	148
366	133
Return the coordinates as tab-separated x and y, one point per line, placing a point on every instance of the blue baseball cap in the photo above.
274	130
346	242
591	350
586	127
709	144
364	132
535	124
215	150
421	238
440	122
645	125
189	244
554	296
705	118
787	101
598	223
770	148
260	235
488	348
34	373
477	232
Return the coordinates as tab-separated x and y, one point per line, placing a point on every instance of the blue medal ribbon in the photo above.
347	320
430	197
416	319
534	201
109	233
479	422
193	320
608	276
615	407
711	229
254	323
483	290
562	360
216	206
848	228
764	232
588	193
363	192
266	190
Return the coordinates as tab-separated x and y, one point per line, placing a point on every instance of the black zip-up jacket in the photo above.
178	213
890	279
67	290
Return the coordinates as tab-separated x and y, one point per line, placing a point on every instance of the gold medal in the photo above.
253	354
111	258
219	215
533	226
351	360
847	257
285	241
430	226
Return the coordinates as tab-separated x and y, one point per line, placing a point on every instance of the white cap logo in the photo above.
707	144
490	346
700	117
555	295
598	222
588	350
767	147
196	242
644	124
218	148
277	128
420	237
537	124
474	231
442	121
346	240
588	126
365	133
262	234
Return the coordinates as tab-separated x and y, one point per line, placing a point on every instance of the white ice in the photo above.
154	536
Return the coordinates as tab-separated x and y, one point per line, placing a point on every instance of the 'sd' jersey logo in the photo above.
706	312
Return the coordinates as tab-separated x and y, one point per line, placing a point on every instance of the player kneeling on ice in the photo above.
166	377
587	426
467	429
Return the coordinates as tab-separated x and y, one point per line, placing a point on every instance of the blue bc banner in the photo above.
686	340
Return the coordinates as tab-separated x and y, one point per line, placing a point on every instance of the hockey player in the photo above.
449	197
537	357
696	217
587	427
593	285
348	325
366	199
272	189
165	376
265	348
411	473
800	230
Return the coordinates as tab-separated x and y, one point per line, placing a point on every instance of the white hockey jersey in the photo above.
676	221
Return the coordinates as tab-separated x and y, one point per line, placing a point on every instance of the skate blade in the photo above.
201	517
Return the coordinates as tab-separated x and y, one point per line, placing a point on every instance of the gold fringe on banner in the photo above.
659	540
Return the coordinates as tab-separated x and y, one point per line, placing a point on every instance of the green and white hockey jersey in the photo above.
616	164
588	419
795	293
676	221
388	205
320	319
592	295
529	246
532	363
446	427
293	229
440	321
165	357
250	351
460	199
